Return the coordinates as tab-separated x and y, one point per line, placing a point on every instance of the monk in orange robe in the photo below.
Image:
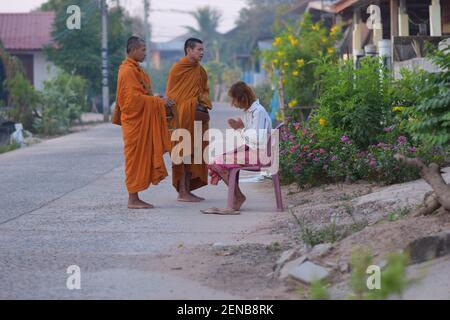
188	87
144	125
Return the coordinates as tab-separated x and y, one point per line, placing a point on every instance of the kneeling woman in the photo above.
254	131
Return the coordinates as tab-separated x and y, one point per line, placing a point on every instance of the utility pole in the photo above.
104	9
148	33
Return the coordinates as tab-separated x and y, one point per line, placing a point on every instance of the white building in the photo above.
25	35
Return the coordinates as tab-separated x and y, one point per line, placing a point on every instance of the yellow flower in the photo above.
275	61
278	116
286	64
324	39
277	41
333	30
316	27
330	50
293	41
280	54
292	104
295	73
322	121
300	62
284	81
397	109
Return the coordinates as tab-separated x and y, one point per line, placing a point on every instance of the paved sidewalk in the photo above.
63	202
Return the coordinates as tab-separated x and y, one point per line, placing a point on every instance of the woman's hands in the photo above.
236	124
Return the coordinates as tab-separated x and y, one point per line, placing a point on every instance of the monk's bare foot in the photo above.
139	204
187	198
238	202
199	198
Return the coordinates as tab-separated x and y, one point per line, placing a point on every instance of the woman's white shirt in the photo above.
257	126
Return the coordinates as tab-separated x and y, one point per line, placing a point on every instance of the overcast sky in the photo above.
166	25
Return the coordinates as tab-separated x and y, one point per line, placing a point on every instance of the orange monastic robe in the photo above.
144	128
188	86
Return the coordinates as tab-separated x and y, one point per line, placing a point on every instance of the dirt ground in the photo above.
246	270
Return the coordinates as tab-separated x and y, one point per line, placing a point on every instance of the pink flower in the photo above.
389	129
402	140
345	139
316	159
296	126
293	149
412	149
372	163
322	151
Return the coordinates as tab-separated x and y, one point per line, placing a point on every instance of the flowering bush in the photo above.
302	160
355	102
291	61
306	161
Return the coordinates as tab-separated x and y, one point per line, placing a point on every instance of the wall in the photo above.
43	70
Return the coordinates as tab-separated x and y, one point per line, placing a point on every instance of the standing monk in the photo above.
188	87
144	126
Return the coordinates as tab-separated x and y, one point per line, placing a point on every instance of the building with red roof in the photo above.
25	35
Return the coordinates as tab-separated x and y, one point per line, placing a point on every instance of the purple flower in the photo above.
389	129
402	140
412	149
316	159
333	158
293	149
372	163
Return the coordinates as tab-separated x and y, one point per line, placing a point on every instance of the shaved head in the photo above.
134	43
191	43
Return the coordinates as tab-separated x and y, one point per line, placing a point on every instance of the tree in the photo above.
255	22
79	51
208	20
432	126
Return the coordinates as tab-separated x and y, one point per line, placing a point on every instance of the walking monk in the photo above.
188	87
144	126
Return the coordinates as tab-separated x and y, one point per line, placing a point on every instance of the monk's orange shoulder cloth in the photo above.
188	86
144	128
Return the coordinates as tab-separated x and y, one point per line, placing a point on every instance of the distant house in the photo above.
168	52
405	28
24	35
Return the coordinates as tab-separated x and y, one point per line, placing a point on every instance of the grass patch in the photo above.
9	147
330	233
398	214
274	246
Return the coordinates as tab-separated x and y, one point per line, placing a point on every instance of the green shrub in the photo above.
64	98
357	102
432	113
24	100
393	276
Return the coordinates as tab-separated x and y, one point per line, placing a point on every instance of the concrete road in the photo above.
63	202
